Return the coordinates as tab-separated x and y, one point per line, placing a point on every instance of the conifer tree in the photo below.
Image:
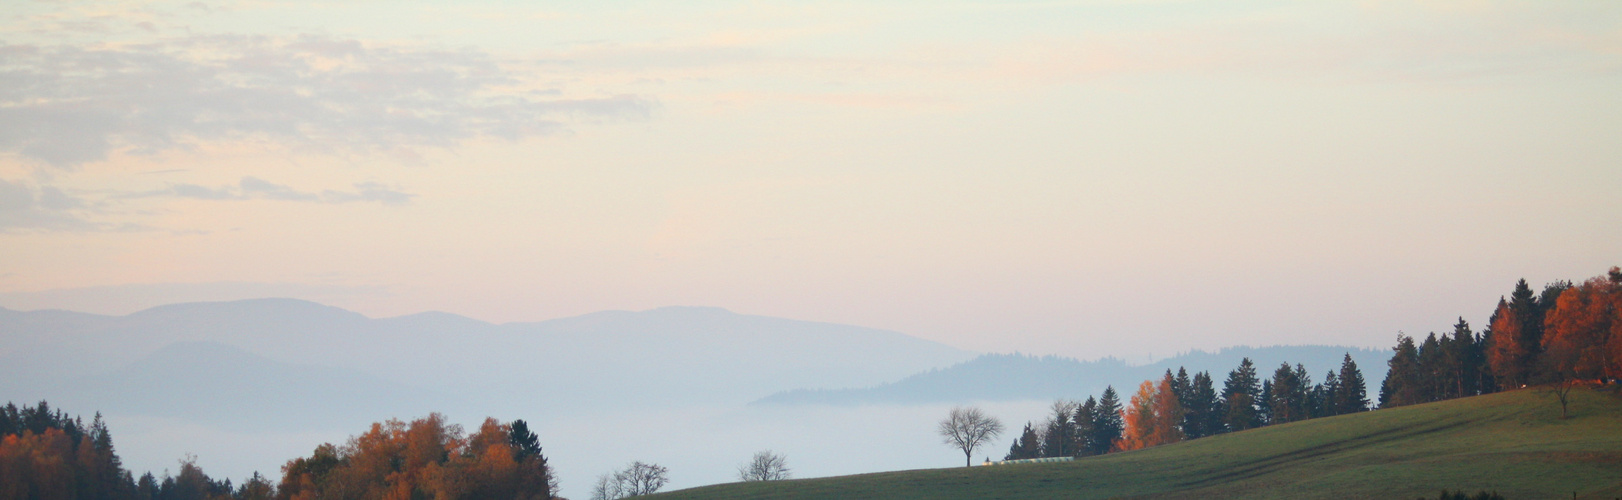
1464	361
1264	404
524	442
1432	372
1401	386
1301	399
1485	382
1083	422
1323	396
1517	328
1289	393
1201	406
1060	437
1181	385
1027	445
1352	394
1240	395
1107	423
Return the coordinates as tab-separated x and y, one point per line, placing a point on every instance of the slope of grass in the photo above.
1514	443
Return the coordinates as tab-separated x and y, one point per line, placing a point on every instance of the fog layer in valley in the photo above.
247	385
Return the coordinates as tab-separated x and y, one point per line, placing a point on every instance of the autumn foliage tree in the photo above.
45	453
1564	335
1138	416
1153	417
425	458
1582	331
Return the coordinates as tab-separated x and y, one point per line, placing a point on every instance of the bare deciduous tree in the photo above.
637	479
1561	388
765	466
607	488
967	428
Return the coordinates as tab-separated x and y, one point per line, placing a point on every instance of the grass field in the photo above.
1514	443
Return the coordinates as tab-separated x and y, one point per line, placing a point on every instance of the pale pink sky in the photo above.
1080	178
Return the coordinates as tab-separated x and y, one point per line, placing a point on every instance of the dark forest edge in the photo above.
47	454
1565	336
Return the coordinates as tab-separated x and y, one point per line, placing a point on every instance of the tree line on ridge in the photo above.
1566	334
47	454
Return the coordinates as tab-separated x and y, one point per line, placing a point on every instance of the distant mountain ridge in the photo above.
1011	377
661	358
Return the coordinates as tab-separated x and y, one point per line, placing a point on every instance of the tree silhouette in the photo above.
1107	422
967	428
767	466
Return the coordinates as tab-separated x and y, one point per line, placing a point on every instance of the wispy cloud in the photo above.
27	207
71	104
30	207
254	188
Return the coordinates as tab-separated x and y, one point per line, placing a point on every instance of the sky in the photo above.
1086	178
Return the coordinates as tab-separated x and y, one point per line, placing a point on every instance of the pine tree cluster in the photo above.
1182	407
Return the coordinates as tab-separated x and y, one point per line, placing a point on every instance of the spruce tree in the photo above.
1181	385
1060	437
1028	445
1487	383
1473	371
1323	402
523	442
1287	394
1301	397
1530	322
1240	395
1352	395
1107	423
1463	361
10	420
1199	406
1432	370
1264	404
1401	386
1083	420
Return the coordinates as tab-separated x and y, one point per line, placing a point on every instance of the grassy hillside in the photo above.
1514	443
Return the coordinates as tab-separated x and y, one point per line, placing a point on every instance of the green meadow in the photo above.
1514	443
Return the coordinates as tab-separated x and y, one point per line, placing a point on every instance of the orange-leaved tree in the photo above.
426	458
1580	333
1154	416
1506	354
1139	418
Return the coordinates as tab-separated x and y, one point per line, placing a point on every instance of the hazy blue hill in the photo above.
603	361
434	321
222	385
701	355
1011	377
27	330
70	346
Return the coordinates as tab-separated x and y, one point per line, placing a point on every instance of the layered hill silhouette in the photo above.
253	362
225	361
1010	377
262	367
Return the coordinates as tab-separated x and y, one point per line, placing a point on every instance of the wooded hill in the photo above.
1515	443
